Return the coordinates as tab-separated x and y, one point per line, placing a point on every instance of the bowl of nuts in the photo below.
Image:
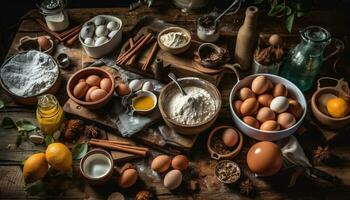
227	171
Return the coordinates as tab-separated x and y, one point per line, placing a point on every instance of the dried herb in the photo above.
246	187
79	150
144	195
7	123
322	154
91	131
227	171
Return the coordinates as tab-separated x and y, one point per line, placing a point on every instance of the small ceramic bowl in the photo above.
235	173
64	60
27	43
205	50
176	50
142	93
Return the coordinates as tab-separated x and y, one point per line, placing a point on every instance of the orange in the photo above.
35	167
337	107
59	157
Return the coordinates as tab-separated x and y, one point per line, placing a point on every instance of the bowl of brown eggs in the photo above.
267	107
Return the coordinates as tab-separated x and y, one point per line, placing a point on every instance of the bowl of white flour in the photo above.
26	75
194	112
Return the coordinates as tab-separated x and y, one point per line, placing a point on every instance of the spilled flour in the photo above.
29	74
196	107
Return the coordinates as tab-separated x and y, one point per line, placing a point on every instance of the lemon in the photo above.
35	168
337	107
59	157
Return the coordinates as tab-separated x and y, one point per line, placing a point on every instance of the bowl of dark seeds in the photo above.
227	171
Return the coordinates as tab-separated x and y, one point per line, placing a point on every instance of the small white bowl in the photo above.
143	93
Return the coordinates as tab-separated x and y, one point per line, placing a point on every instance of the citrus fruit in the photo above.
337	107
59	157
35	167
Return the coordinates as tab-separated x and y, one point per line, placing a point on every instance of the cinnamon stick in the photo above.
133	58
150	56
119	148
71	35
65	33
130	49
46	29
125	146
111	141
72	40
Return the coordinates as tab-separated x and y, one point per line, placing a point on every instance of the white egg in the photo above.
148	86
135	85
99	21
101	40
87	31
324	98
101	31
112	34
89	41
112	25
279	104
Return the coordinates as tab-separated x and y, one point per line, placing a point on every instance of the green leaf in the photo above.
289	22
35	188
79	150
2	104
258	1
24	125
49	139
300	14
7	123
276	10
287	10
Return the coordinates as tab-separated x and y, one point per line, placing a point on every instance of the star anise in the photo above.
322	154
246	187
144	195
91	131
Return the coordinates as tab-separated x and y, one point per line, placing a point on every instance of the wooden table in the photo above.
11	157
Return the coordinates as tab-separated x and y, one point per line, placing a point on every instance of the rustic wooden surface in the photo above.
11	157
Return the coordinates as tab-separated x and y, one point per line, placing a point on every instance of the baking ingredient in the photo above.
59	157
161	163
87	31
80	89
98	94
29	74
196	107
73	128
44	43
112	25
338	107
144	195
251	121
227	171
135	85
270	125
106	84
148	86
88	93
174	39
265	158
279	104
230	137
99	21
264	114
246	93
35	168
180	162
259	85
122	89
100	40
173	179
93	80
270	85
286	120
249	106
101	30
143	103
265	99
275	40
89	41
217	144
237	107
279	90
295	108
128	178
324	98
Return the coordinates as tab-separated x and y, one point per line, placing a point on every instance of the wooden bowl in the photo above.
168	90
238	147
176	50
84	73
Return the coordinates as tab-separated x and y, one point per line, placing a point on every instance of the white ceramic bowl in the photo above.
108	47
141	93
293	92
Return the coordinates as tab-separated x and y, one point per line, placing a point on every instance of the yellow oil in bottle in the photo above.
49	114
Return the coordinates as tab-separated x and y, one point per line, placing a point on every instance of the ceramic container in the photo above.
228	162
141	93
207	34
177	50
27	43
341	89
205	49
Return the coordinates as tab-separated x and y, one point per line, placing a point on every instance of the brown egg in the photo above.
93	80
237	107
249	107
251	121
230	137
246	93
270	85
97	94
180	162
44	43
275	40
264	114
88	93
122	89
106	84
80	89
286	120
295	108
81	80
279	90
270	125
128	178
265	99
265	158
161	163
259	85
173	179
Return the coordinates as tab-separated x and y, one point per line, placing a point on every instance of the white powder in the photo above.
195	107
173	39
29	74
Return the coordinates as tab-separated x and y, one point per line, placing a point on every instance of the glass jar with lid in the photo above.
55	13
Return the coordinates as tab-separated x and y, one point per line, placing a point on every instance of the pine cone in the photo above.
246	187
144	195
322	154
73	128
91	131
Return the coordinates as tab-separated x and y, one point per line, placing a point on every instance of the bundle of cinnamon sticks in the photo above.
120	146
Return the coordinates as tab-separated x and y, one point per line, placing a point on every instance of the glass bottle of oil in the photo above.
49	114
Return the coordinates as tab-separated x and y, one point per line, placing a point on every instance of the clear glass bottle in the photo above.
55	13
49	114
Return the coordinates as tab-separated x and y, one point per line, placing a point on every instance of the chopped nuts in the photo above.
227	171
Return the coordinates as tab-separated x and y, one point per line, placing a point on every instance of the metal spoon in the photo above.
173	77
229	8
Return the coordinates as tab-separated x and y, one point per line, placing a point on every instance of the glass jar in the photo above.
49	114
55	14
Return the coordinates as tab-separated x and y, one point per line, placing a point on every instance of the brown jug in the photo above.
247	38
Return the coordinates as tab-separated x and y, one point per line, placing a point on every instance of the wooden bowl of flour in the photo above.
167	93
